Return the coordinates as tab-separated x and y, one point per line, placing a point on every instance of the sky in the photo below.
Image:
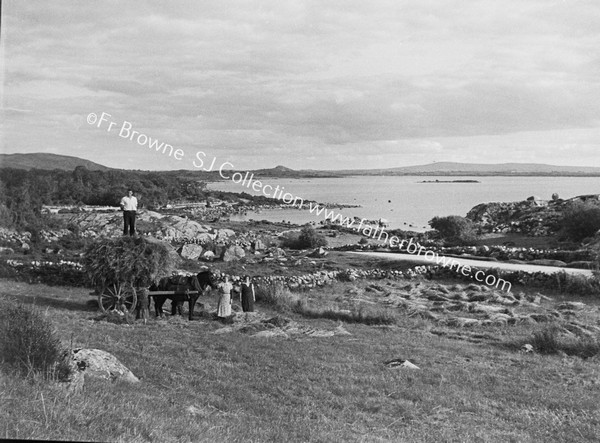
324	84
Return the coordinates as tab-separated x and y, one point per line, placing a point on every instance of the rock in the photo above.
191	251
399	363
208	255
233	253
224	234
317	253
205	237
100	364
527	348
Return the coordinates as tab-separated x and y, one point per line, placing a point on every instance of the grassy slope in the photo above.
301	389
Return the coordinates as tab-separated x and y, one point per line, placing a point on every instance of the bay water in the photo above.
405	201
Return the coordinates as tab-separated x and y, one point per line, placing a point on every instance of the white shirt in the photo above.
129	203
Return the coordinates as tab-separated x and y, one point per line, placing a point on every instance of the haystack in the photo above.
139	261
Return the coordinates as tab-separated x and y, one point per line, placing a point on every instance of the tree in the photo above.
308	238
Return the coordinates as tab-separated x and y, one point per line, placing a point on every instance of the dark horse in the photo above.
181	287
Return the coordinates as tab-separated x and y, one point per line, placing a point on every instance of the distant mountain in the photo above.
284	172
451	168
54	161
40	160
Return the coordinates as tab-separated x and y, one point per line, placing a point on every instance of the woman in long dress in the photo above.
224	306
247	295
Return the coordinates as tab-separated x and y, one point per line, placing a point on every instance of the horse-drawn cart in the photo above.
130	271
116	267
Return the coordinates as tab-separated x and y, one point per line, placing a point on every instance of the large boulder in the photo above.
233	253
191	251
100	364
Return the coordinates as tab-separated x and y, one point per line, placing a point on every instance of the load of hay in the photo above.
138	261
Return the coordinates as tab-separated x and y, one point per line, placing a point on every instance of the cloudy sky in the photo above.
326	84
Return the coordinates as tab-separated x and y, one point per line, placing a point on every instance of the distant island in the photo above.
450	181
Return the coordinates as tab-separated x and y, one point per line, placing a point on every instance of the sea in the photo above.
408	202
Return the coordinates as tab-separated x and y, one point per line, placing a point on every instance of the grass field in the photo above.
473	384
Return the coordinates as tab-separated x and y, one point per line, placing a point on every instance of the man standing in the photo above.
129	208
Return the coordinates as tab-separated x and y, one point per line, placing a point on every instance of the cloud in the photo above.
279	82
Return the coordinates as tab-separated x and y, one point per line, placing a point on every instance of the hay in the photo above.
136	260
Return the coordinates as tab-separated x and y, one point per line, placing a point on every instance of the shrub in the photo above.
545	341
580	220
28	342
455	229
308	238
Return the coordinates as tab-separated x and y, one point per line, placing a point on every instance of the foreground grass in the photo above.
199	386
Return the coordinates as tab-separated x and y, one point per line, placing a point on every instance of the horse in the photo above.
181	287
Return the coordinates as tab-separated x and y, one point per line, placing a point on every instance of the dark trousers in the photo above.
128	222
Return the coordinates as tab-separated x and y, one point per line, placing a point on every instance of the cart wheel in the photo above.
117	297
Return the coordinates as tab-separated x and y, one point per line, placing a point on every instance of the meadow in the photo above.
201	385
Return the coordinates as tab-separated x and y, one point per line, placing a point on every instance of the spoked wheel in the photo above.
117	297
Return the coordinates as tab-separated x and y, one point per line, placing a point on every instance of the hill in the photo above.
453	168
284	172
40	160
68	163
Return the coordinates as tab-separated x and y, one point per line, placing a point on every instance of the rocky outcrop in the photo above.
100	364
525	217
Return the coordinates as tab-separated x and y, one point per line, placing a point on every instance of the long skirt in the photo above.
247	301
224	307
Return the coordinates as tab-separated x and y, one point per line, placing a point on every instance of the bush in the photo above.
455	229
309	238
580	220
28	343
